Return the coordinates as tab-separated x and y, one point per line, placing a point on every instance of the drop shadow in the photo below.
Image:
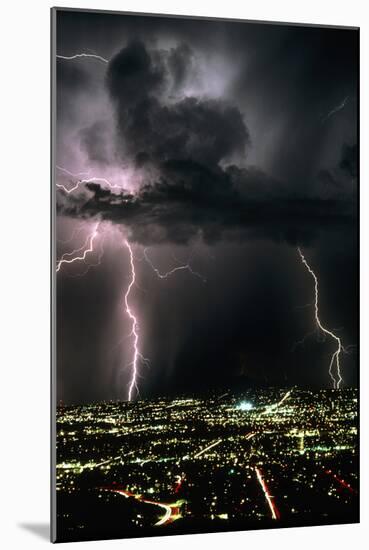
41	530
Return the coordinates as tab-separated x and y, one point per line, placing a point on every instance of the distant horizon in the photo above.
189	395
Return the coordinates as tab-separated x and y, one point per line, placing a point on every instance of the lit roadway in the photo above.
207	448
268	497
171	511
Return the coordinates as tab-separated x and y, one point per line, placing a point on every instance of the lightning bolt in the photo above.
336	109
85	249
98	262
88	247
137	355
81	55
165	275
80	182
74	175
335	359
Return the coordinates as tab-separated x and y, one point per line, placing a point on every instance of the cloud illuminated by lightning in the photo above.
81	55
335	359
75	232
165	275
85	249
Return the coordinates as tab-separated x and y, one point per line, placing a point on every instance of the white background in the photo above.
24	268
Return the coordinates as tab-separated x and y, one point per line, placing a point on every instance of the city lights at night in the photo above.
298	467
245	406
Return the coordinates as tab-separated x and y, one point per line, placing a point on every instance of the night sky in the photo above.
229	145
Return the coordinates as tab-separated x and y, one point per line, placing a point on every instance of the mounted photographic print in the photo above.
205	275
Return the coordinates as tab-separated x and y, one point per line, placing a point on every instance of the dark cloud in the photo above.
191	200
94	140
327	179
306	72
180	63
348	163
339	180
188	141
133	75
71	76
203	130
72	81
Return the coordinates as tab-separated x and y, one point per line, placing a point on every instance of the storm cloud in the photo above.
186	150
191	201
156	129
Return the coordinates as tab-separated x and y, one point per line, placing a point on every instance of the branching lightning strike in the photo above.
98	260
137	355
86	248
74	175
335	359
165	275
93	179
81	55
336	109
